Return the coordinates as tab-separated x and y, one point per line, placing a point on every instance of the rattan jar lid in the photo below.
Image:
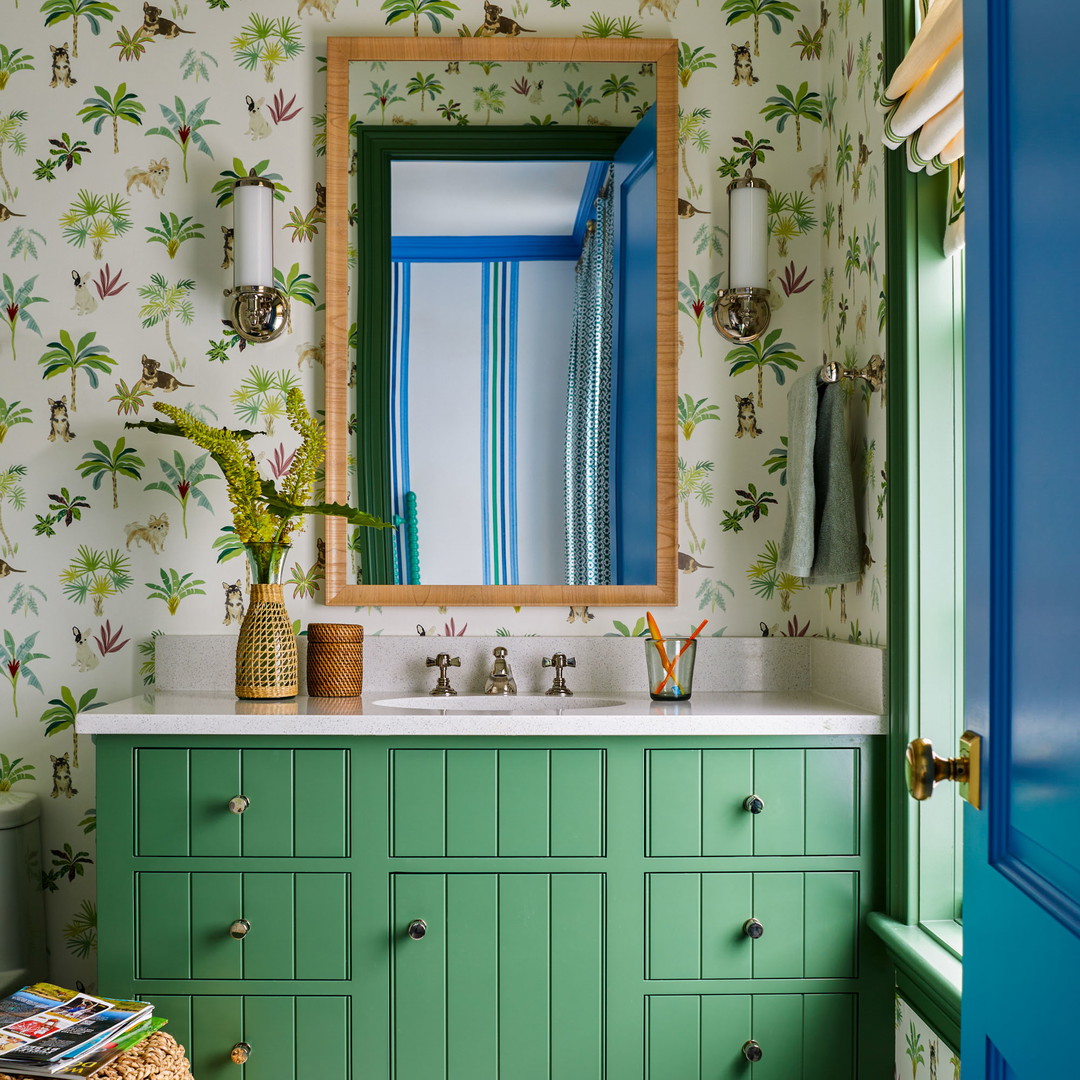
335	632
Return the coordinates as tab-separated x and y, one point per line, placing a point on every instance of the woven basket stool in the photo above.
157	1057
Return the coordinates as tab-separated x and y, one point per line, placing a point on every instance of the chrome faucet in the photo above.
501	679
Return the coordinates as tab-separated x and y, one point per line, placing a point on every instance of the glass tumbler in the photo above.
669	662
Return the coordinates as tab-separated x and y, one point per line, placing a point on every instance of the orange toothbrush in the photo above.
669	665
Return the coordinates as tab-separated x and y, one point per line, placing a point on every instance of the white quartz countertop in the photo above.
738	713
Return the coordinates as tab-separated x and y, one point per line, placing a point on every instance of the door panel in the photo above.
506	983
1022	851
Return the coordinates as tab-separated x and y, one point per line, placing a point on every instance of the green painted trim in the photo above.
901	446
928	976
377	147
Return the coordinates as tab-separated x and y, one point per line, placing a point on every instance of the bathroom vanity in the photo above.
339	887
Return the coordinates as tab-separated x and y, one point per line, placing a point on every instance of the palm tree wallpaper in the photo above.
117	151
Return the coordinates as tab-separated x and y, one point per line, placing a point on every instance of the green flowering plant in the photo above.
263	513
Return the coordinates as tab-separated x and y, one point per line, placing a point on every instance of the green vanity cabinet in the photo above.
516	908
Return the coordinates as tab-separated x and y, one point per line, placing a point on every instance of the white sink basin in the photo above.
501	703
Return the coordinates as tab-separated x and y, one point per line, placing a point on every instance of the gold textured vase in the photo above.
266	663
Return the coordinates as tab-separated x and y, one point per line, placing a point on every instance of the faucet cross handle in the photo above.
558	662
442	684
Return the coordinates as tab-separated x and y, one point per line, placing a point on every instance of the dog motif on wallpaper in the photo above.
154	533
153	177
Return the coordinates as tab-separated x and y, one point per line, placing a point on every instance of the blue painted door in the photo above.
634	350
1022	850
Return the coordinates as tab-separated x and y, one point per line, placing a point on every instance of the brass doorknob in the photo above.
751	1051
417	929
925	769
753	804
239	928
238	804
239	1053
753	929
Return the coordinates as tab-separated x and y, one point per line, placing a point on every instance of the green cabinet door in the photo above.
506	982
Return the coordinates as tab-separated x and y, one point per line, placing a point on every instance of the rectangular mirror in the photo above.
506	274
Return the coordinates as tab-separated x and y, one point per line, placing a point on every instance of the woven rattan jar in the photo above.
335	660
266	661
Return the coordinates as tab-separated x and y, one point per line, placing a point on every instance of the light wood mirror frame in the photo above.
340	53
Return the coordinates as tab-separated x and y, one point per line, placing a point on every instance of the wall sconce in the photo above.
259	310
741	312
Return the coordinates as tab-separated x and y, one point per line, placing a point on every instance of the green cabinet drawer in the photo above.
291	1038
507	983
697	802
800	1036
697	925
497	803
298	926
297	802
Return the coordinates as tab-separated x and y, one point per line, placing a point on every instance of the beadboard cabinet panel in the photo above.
698	802
297	802
497	803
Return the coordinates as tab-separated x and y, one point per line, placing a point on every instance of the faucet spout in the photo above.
501	679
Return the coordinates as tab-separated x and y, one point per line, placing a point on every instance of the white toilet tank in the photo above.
22	903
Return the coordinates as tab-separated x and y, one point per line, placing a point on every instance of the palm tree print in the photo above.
117	106
24	242
773	10
62	716
749	151
182	482
64	355
11	134
223	188
691	60
751	504
692	413
261	397
710	592
432	10
194	65
13	771
11	491
182	127
426	86
767	352
11	61
12	414
577	97
162	302
173	588
620	87
766	579
382	96
692	130
93	11
492	99
174	231
121	460
97	218
96	575
268	42
804	104
844	151
13	304
15	661
693	482
296	286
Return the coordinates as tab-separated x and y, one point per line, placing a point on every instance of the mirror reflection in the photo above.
504	298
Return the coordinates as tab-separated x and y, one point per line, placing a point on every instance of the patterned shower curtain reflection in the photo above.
589	554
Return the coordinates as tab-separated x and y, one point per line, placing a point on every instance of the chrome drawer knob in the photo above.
239	1053
753	804
751	1051
417	929
753	929
238	804
239	928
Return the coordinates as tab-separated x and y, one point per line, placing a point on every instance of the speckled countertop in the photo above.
742	686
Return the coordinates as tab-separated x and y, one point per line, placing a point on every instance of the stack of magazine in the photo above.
46	1030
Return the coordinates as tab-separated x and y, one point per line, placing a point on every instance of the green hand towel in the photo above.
821	536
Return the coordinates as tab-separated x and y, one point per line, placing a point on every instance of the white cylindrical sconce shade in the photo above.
253	232
748	234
